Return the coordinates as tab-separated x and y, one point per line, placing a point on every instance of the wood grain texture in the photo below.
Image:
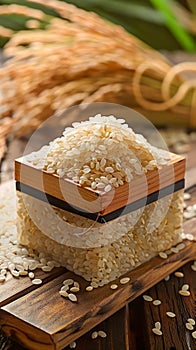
16	287
175	335
94	201
116	328
43	314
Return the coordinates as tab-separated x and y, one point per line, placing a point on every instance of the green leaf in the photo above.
140	18
181	35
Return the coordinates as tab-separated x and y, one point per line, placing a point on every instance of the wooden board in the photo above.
175	334
42	319
130	327
36	182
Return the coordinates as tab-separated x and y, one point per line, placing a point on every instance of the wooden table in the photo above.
131	326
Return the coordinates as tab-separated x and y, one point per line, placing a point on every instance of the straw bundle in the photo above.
80	58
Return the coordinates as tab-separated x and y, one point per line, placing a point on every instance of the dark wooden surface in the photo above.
130	328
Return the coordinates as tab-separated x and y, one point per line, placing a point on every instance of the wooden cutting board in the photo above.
39	318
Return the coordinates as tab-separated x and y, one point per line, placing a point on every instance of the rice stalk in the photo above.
80	58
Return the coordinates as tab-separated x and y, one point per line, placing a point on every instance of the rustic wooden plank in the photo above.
175	335
94	201
137	328
61	321
178	337
116	328
14	288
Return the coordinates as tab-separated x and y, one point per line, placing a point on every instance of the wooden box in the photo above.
100	235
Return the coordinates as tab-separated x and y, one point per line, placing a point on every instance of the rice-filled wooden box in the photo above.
100	199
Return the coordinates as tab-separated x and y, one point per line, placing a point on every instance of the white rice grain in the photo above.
156	302
194	334
94	335
37	281
163	255
102	334
72	297
124	280
114	286
147	297
191	321
184	293
185	287
158	325
189	326
179	274
63	293
157	331
170	314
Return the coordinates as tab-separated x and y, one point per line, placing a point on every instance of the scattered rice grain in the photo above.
180	246
170	314
65	288
47	268
31	275
23	273
184	293
74	289
191	321
63	293
37	281
188	215
158	325
167	278
107	188
147	297
187	196
157	331
68	282
189	236
114	286
163	255
94	335
15	273
124	280
89	288
179	274
189	326
194	334
156	302
72	297
185	287
102	334
174	250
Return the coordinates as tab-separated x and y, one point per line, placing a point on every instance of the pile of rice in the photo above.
101	153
